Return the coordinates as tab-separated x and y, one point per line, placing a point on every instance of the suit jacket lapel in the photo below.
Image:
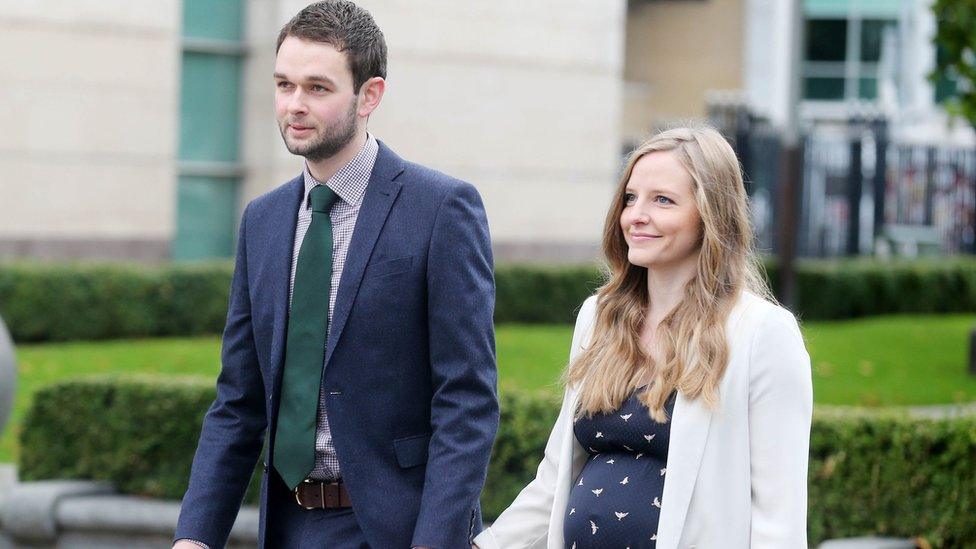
284	217
381	191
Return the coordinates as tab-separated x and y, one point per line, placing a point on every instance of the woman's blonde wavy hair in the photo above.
695	349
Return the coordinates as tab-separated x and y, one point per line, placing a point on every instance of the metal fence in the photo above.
862	193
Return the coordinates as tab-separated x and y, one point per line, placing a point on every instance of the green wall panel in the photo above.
842	8
207	218
210	110
210	107
213	19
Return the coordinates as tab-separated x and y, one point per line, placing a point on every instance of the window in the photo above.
825	53
945	86
845	43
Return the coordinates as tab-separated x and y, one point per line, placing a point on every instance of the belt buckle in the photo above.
321	495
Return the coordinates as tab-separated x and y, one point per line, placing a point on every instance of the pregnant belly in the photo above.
616	501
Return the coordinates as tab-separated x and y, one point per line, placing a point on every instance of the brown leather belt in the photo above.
311	494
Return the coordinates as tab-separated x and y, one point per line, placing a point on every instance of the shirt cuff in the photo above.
194	542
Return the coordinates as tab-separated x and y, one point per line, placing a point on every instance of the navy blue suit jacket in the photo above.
410	377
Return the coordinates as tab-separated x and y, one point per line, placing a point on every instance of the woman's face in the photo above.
660	218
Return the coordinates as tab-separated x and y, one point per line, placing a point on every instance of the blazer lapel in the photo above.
281	242
381	191
689	432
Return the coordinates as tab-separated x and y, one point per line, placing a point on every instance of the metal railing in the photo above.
862	192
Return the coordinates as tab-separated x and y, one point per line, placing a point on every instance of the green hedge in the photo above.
860	287
542	294
870	472
89	301
42	302
885	473
138	432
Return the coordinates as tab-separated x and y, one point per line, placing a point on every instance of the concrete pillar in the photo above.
8	375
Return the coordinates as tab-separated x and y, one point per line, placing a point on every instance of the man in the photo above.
359	331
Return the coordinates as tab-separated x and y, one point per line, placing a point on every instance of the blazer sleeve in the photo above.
464	405
780	414
233	428
525	523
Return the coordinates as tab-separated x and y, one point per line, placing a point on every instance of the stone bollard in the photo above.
8	375
972	352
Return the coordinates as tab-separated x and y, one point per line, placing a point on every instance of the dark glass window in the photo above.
836	69
826	40
945	87
867	88
872	32
824	89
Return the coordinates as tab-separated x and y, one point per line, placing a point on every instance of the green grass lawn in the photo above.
894	360
873	362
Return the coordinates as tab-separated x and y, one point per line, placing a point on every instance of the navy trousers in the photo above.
292	527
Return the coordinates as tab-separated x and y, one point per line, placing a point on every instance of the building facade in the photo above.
138	129
141	128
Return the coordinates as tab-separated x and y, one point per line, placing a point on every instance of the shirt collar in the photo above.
350	182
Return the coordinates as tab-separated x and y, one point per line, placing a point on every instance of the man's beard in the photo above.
332	140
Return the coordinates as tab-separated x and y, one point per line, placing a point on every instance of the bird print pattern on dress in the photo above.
616	500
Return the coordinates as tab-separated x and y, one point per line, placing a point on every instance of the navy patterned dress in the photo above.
616	501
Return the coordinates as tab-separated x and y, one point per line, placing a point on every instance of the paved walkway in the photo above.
8	477
943	411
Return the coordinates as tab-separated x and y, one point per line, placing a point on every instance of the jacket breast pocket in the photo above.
388	267
411	451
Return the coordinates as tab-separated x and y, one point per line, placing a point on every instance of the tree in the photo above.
955	42
955	68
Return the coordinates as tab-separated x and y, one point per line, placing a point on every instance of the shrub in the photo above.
65	302
870	472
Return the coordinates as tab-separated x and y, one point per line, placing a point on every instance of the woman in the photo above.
686	417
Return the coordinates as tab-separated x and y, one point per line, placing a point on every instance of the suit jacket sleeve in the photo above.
464	405
233	428
780	413
525	523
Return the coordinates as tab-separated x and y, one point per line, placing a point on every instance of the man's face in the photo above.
315	102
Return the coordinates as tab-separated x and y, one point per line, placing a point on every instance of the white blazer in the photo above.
736	476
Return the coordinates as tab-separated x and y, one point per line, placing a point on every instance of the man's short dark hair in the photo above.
346	27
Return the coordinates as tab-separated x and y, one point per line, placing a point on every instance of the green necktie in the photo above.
308	324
